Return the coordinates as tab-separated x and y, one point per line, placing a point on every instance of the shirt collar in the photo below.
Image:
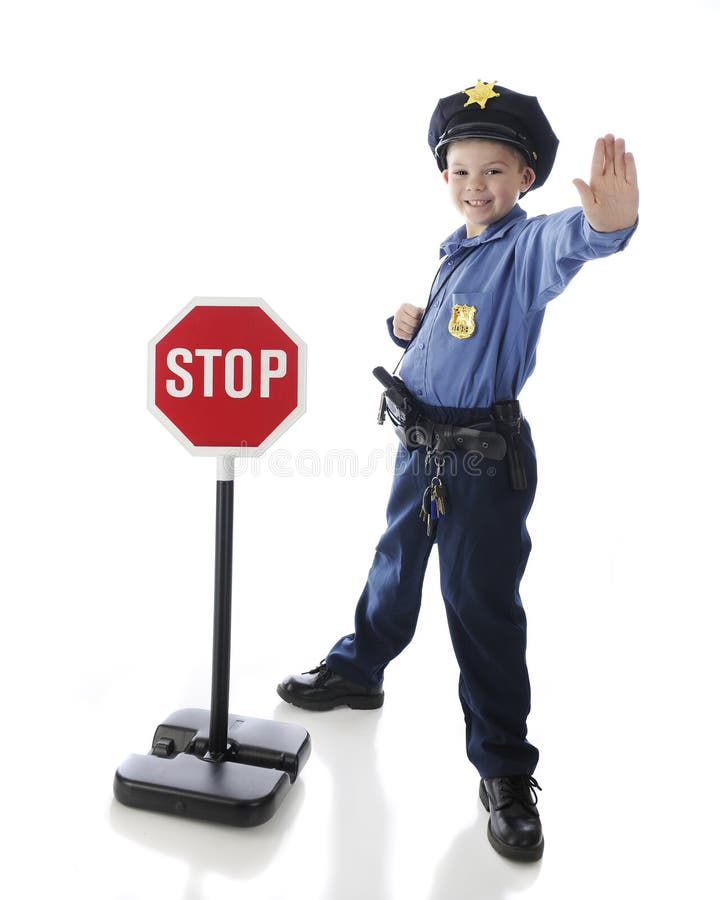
459	239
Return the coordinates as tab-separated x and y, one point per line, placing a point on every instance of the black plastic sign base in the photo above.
244	787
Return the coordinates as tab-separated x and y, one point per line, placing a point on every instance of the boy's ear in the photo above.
528	178
445	176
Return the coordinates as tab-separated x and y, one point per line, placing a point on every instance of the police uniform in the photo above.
475	346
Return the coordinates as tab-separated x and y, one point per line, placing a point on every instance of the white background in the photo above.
155	151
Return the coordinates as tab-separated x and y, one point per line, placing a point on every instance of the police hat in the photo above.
498	114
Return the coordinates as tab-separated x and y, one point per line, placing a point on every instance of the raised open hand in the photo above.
610	201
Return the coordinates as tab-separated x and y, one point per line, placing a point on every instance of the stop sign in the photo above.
226	376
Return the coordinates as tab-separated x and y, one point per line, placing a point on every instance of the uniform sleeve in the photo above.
552	249
396	340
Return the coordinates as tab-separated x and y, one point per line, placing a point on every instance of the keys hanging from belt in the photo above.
434	501
434	505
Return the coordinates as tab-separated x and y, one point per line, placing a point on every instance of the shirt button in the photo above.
419	393
421	346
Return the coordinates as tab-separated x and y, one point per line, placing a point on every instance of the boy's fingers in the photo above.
610	154
620	157
407	320
405	333
598	160
630	170
586	195
413	316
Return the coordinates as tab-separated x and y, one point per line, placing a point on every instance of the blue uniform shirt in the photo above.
516	266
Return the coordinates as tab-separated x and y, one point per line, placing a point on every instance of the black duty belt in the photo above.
495	437
479	437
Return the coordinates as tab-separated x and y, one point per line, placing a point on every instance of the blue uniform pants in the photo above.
483	546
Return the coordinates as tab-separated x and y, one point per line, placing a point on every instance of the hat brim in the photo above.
488	130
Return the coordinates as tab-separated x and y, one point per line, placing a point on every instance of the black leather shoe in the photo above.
514	829
321	689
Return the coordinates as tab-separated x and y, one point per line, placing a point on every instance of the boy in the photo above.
467	357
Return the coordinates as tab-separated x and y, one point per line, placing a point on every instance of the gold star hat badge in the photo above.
493	112
481	93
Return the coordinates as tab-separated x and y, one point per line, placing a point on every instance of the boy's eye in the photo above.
463	172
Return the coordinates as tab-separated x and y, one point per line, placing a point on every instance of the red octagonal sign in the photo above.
227	376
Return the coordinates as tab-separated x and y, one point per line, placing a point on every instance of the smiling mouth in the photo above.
477	203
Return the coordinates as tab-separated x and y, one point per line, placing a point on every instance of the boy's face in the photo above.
485	179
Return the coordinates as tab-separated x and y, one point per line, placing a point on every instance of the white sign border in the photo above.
281	428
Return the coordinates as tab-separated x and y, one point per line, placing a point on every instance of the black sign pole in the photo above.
220	691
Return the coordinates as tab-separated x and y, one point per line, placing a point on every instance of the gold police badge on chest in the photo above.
462	321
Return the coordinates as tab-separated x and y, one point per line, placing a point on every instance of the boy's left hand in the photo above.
610	202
